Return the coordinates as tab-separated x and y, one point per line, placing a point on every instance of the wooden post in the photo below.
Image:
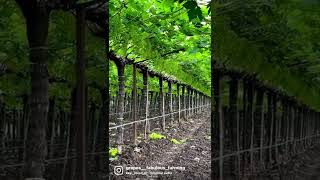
197	102
291	127
218	126
189	96
259	123
281	125
179	108
234	121
81	95
106	98
251	120
284	125
269	126
170	100
279	129
184	102
146	105
287	128
305	127
298	134
2	125
162	104
200	101
22	125
244	122
51	120
275	127
294	129
134	103
151	103
301	110
192	101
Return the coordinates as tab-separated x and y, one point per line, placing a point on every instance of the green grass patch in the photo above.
113	152
156	136
174	141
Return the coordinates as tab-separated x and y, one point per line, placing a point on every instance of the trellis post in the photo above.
191	100
251	119
198	100
179	108
279	128
295	121
170	100
81	83
218	125
301	128
260	123
234	120
201	101
194	96
134	102
243	122
162	103
291	127
188	102
184	102
146	101
288	116
275	127
282	123
270	125
189	105
195	101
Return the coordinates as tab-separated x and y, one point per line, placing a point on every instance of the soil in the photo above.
303	166
189	160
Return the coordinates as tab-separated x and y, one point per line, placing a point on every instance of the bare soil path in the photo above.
189	160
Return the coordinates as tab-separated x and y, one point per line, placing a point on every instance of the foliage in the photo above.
113	152
277	40
174	141
151	30
156	136
61	42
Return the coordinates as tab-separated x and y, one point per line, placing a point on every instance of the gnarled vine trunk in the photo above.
36	14
120	106
101	143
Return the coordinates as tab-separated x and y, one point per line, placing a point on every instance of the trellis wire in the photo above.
264	147
143	120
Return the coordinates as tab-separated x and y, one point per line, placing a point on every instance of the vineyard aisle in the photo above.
193	154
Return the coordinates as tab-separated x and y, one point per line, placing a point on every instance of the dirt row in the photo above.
188	160
303	166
